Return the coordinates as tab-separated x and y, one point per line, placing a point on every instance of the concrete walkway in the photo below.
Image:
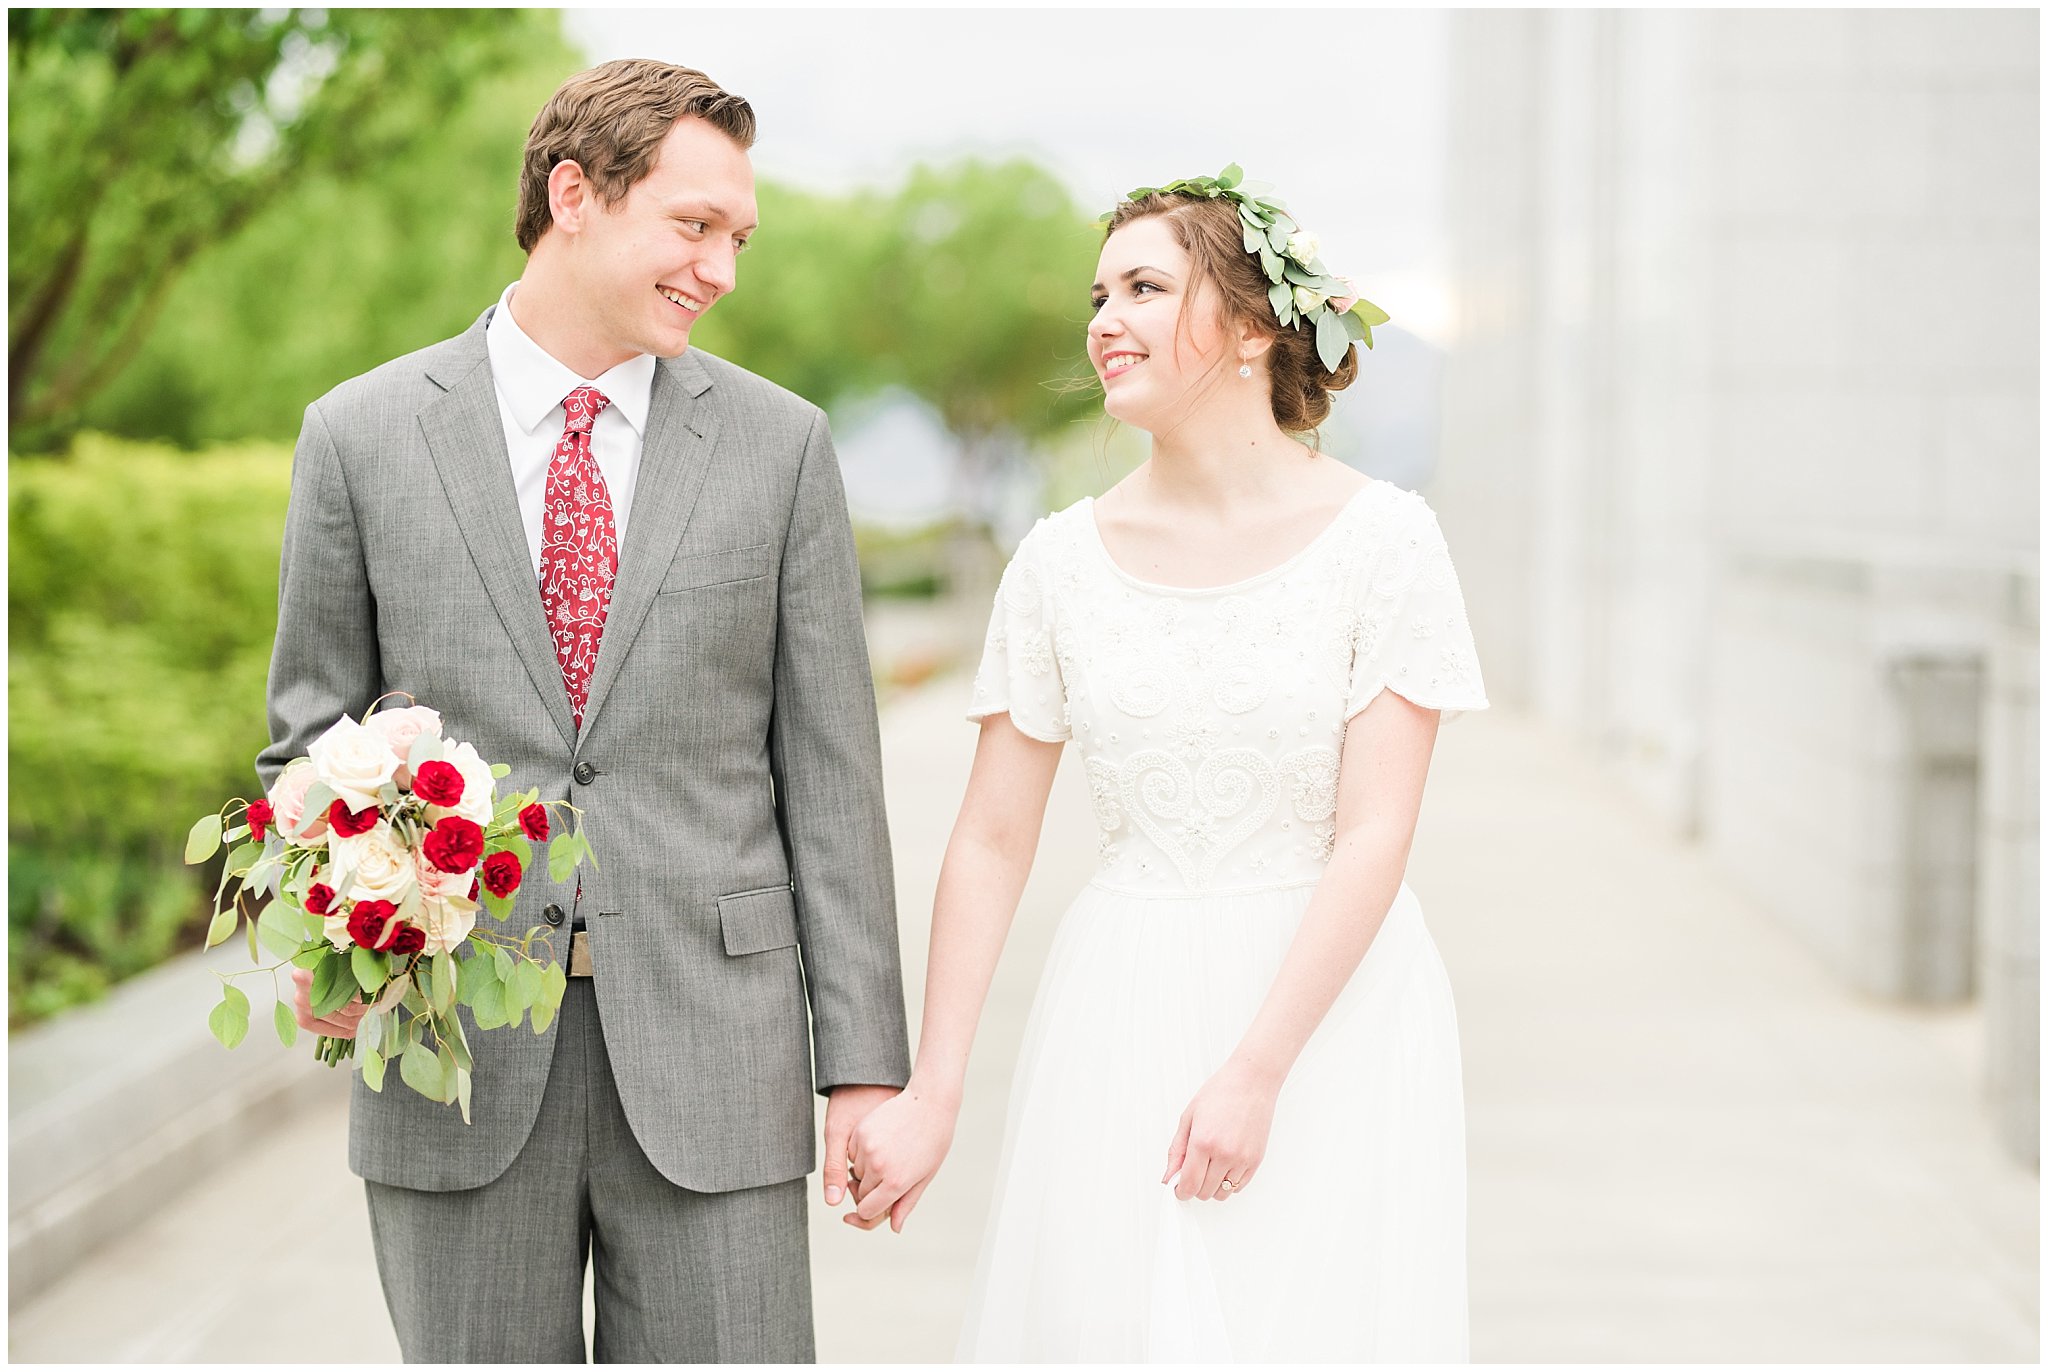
1686	1142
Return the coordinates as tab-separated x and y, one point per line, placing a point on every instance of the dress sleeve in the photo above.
1412	637
1020	672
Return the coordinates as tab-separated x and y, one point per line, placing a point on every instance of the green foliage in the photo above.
139	139
142	600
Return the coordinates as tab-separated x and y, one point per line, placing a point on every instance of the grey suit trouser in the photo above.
495	1274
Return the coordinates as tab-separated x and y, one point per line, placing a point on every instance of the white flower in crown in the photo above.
1306	299
1303	247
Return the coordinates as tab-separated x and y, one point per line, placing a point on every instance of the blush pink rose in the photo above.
288	804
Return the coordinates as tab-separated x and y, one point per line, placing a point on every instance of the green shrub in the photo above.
142	599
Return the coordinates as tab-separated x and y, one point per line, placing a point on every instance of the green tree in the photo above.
137	139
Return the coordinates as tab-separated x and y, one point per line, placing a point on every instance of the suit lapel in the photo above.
675	456
467	438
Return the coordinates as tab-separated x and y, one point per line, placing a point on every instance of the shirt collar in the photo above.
533	383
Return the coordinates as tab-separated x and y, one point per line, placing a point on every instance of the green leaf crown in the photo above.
1301	289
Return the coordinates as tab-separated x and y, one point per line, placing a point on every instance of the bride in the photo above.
1237	1126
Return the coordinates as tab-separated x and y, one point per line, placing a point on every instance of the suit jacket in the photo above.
728	769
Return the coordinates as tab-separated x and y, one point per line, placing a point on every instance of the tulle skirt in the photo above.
1350	1243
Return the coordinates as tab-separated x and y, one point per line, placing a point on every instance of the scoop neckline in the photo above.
1322	536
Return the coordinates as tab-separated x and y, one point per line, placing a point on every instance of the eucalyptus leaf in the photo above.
370	1033
1331	340
443	997
1354	327
1270	263
458	1047
462	1094
500	770
204	839
1252	240
449	1071
244	857
489	1006
562	854
320	799
333	985
1372	314
222	927
371	971
1230	176
373	1068
421	1070
279	928
502	956
1276	237
543	1013
230	1019
255	954
528	982
286	1022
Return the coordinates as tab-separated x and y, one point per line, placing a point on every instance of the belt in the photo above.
579	954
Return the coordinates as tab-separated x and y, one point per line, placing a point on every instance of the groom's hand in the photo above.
845	1108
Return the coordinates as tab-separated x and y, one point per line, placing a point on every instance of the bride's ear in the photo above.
1252	343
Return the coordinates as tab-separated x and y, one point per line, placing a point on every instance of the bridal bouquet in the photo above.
375	850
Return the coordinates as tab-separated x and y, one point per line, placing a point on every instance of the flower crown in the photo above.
1302	290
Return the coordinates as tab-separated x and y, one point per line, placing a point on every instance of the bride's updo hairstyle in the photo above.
1209	231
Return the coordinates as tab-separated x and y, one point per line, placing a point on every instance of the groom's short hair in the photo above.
610	121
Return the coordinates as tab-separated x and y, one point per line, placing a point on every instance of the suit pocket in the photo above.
756	921
717	569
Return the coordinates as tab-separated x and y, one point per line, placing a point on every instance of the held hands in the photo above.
339	1025
892	1155
1222	1136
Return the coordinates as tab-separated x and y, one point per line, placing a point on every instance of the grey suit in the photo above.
728	768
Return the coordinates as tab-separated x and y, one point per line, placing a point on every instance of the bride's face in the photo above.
1152	345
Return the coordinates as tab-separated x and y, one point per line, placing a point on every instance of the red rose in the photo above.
348	824
472	888
261	817
409	939
533	822
437	783
320	899
502	873
371	923
454	844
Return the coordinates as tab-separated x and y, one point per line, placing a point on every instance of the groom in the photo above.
624	568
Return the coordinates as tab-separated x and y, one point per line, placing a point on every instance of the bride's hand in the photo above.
1222	1135
896	1151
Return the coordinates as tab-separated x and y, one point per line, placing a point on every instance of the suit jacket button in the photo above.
585	773
554	915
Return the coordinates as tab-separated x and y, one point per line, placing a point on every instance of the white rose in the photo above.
1306	299
400	729
375	864
478	802
1303	246
447	920
288	803
354	761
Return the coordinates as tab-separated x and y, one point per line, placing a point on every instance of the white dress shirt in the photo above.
531	387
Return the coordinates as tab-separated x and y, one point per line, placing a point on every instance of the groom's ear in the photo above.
570	195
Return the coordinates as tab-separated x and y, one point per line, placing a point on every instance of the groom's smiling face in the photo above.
668	252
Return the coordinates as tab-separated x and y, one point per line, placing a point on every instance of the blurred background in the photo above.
1715	346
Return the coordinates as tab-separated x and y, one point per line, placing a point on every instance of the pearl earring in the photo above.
1244	369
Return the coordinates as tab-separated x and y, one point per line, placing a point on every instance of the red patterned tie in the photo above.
579	547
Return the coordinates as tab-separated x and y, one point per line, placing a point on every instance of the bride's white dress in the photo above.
1210	723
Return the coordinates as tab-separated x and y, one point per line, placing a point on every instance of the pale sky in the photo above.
1343	112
